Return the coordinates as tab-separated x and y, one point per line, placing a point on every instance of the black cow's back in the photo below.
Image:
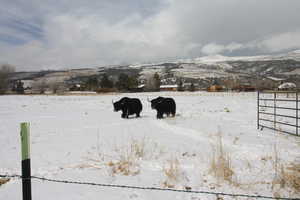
135	105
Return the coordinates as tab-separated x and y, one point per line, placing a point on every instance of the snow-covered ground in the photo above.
80	138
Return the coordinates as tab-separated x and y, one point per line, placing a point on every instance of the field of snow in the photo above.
80	138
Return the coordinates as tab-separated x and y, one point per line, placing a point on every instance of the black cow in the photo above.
164	106
129	106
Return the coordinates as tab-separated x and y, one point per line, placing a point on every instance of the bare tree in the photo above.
57	87
153	82
5	70
40	86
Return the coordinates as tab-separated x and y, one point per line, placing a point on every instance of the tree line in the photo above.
98	83
124	82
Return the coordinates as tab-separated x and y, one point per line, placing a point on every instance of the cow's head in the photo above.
119	105
156	101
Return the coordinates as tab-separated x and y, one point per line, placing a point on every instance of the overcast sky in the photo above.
49	34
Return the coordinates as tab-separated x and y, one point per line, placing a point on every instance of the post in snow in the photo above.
26	171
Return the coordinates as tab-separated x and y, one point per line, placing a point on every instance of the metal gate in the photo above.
279	111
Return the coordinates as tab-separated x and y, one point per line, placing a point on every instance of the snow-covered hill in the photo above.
203	70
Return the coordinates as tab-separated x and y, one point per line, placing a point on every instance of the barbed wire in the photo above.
147	188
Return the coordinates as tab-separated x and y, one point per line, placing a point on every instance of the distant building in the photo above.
287	86
168	87
215	88
76	87
27	84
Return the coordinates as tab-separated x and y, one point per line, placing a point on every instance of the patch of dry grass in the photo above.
3	181
285	176
124	159
127	162
220	163
124	167
130	155
173	173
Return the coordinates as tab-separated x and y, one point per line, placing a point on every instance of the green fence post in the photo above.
26	171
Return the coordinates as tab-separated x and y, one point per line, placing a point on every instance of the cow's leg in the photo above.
127	113
138	114
159	115
173	114
123	115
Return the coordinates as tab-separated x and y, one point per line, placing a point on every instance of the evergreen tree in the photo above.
106	82
92	83
192	87
20	87
132	82
123	82
180	86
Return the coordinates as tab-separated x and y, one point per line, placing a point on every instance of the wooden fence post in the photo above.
26	171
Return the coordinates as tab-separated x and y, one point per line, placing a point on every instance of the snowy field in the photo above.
80	138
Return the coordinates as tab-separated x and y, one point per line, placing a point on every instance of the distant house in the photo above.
27	84
287	86
270	83
76	87
168	87
215	88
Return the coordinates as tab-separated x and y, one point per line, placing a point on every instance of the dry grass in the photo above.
129	157
289	177
125	159
138	148
285	176
173	173
220	164
127	162
124	167
3	181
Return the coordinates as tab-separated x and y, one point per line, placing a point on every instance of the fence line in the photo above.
148	188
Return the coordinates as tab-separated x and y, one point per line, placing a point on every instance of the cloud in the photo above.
36	35
283	41
213	48
275	43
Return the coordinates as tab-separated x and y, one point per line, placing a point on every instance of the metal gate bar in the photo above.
275	108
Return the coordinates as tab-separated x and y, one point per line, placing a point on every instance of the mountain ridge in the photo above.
203	70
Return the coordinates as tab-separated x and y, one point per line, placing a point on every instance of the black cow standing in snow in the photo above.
129	106
164	106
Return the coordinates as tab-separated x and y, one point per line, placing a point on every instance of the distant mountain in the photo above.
202	70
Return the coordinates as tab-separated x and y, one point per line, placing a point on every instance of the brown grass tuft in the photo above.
129	156
220	164
173	173
285	176
3	181
124	167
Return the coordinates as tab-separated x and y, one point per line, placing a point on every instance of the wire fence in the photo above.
218	194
